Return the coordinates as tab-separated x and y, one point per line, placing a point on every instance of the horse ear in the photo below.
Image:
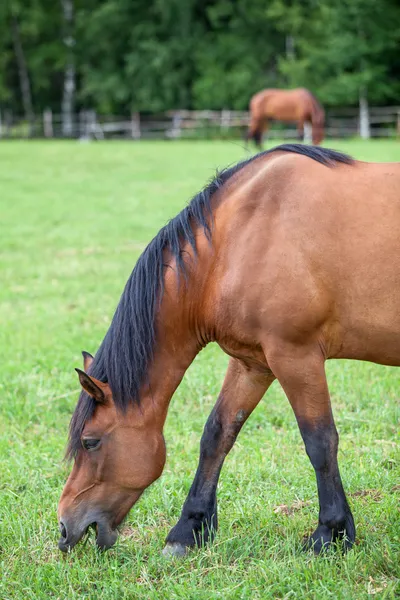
87	360
92	386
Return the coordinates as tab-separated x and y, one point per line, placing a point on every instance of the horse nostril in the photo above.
63	530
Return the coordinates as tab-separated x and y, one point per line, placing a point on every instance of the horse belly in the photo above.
287	108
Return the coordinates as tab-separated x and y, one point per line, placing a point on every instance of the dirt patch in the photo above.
375	495
284	509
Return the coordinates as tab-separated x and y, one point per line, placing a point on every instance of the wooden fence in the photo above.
340	123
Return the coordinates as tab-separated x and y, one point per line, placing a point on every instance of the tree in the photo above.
67	105
121	55
23	73
343	48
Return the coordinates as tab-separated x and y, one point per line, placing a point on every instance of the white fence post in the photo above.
84	125
176	125
48	123
307	139
81	123
135	125
365	132
225	119
8	122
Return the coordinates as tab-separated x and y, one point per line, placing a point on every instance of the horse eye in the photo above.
90	444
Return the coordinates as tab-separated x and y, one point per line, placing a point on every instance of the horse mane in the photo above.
127	349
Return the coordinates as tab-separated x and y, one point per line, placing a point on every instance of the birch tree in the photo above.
68	98
23	74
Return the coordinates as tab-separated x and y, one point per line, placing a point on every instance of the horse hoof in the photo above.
175	549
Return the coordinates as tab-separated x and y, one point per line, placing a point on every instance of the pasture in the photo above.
74	219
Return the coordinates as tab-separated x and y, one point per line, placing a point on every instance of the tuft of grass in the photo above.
74	219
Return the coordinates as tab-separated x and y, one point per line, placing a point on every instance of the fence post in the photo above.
84	125
81	123
48	123
307	136
98	130
88	124
91	124
7	122
1	127
398	123
225	119
135	125
365	132
176	125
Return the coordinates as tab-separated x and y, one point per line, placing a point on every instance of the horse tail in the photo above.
317	120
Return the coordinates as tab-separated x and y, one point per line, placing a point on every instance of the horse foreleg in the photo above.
255	131
302	376
240	394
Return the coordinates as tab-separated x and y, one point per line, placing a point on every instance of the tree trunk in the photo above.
289	47
365	132
23	74
67	107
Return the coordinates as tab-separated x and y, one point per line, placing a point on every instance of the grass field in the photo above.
74	219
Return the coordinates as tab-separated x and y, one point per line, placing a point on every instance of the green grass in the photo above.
74	219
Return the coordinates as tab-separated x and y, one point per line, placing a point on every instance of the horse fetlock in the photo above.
195	529
337	516
320	540
325	535
333	519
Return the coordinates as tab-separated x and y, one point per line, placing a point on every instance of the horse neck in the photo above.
178	340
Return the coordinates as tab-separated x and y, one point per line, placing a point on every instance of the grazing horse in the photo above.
285	260
291	106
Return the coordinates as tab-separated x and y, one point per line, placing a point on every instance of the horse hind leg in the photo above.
240	394
302	376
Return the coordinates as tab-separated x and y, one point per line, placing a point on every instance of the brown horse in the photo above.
291	106
285	260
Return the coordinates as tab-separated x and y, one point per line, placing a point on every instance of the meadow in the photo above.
74	218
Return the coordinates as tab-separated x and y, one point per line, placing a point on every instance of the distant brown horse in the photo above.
285	260
291	106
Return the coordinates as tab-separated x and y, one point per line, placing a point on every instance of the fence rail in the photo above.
340	122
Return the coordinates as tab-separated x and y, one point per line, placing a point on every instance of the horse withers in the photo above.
285	260
290	106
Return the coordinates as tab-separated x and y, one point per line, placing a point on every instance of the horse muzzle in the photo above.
72	533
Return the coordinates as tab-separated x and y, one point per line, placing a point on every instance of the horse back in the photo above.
283	105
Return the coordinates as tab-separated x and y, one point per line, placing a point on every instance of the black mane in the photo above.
127	349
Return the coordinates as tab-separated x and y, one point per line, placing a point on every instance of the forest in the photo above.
117	56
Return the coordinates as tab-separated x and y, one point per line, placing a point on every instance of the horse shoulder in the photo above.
263	277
